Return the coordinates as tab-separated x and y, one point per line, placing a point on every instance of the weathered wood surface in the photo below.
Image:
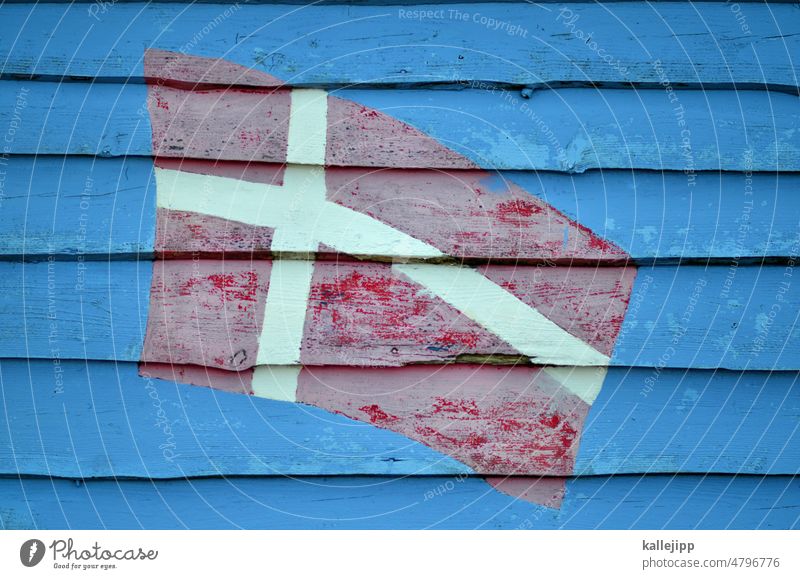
77	309
103	419
233	315
569	130
368	2
650	216
73	207
382	214
741	317
522	44
650	502
712	317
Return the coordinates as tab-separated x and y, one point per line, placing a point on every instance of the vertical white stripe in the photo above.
299	209
503	314
308	127
285	312
276	382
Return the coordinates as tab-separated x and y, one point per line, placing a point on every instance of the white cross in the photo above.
302	218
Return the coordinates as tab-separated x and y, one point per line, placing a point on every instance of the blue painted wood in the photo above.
651	215
574	130
693	421
742	317
735	317
370	2
530	44
564	130
101	419
654	502
77	206
82	119
74	309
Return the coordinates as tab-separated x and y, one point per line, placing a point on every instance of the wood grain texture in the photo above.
102	419
74	309
712	317
496	420
648	215
73	207
340	45
191	303
652	502
570	130
679	316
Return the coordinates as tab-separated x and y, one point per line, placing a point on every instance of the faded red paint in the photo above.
516	211
237	382
367	314
206	312
545	491
180	233
497	420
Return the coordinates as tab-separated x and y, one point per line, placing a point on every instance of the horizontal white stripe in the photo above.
584	383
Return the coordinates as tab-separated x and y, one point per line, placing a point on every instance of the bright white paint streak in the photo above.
583	382
503	314
285	312
297	210
276	382
308	127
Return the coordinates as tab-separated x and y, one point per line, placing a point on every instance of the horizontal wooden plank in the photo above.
76	206
712	317
79	309
102	419
649	216
367	2
651	502
531	44
569	130
219	314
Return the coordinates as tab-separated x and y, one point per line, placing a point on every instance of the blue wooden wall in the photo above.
679	122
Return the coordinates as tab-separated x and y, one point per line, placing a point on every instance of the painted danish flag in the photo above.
344	278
